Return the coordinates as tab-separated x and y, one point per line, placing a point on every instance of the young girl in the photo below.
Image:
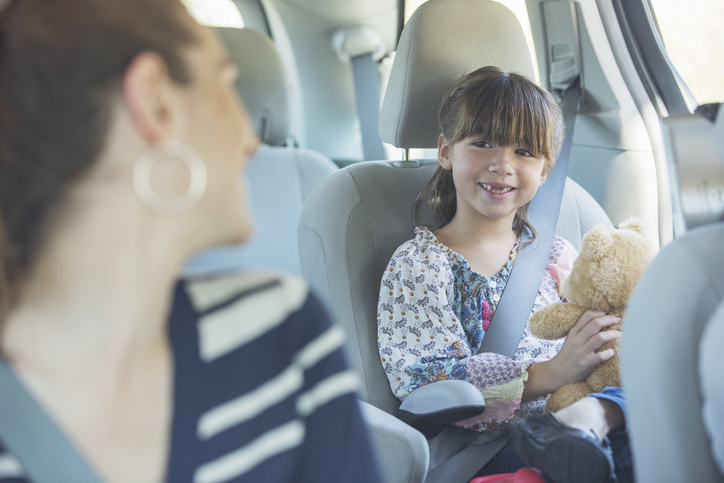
500	134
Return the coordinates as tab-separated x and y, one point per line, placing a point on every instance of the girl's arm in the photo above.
420	339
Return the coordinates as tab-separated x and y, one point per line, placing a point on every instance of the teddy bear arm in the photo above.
554	321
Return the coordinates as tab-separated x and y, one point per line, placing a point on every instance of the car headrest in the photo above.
262	82
442	41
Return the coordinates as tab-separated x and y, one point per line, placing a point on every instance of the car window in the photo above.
693	40
215	13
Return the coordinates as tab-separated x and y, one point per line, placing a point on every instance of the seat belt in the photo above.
367	95
511	315
29	434
363	46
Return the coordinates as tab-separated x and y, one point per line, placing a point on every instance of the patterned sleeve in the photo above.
419	337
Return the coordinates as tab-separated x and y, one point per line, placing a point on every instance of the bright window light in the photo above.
215	13
694	42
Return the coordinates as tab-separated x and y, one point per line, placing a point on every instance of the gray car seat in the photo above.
712	384
672	364
281	178
357	217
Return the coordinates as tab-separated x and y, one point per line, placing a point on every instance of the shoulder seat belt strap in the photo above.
29	434
367	95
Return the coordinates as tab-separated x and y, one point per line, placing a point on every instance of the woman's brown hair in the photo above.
502	108
61	66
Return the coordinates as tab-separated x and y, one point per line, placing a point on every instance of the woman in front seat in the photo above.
121	142
500	134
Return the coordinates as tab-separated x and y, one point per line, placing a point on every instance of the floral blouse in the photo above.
433	313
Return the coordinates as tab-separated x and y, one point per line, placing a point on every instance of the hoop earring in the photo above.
142	172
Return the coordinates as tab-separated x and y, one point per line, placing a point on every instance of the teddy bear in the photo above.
603	278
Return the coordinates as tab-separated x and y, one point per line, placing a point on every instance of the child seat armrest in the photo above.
429	408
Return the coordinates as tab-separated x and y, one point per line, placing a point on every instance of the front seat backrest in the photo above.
280	178
357	217
712	384
665	325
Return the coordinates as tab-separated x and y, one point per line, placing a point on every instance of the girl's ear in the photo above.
148	97
443	153
547	168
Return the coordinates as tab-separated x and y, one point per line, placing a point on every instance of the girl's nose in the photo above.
500	164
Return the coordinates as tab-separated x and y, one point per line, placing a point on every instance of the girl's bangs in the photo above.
508	115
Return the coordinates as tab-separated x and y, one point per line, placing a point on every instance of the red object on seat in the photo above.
524	475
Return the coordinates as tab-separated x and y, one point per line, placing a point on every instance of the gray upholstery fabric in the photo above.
402	451
579	213
262	82
712	383
443	40
663	327
280	178
351	225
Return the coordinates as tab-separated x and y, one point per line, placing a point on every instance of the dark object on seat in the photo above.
523	475
566	455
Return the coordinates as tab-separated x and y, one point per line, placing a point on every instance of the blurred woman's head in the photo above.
90	90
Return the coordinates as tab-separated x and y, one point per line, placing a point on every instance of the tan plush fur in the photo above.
603	278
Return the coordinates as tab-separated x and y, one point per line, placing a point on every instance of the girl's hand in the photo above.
577	358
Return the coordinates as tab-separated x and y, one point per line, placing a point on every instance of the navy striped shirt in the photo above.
262	389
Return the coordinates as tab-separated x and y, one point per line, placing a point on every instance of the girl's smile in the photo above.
497	190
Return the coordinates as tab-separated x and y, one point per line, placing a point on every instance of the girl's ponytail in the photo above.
439	194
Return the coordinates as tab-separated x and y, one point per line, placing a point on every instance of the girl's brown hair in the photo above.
502	108
61	65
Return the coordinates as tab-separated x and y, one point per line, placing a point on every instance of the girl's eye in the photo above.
481	144
524	152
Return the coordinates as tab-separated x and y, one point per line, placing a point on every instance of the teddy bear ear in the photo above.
596	243
634	224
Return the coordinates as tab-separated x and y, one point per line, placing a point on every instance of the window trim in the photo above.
667	90
253	9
